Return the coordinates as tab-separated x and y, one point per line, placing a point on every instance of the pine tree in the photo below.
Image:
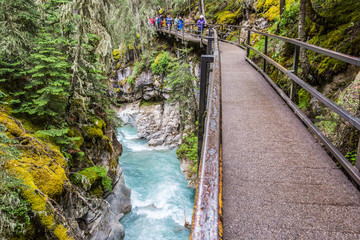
19	20
47	90
183	86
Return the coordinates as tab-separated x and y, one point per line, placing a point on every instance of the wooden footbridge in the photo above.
262	174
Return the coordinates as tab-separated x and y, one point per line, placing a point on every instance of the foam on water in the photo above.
159	191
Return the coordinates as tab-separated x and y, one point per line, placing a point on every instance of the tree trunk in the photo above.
304	62
139	27
282	7
190	8
247	9
202	7
75	68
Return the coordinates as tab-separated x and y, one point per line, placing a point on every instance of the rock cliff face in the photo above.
147	87
158	123
106	224
100	218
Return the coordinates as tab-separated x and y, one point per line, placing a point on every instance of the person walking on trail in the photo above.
151	21
158	22
164	22
201	24
169	22
181	23
176	23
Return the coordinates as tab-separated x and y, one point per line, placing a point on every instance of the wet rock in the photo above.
185	165
119	198
151	206
158	123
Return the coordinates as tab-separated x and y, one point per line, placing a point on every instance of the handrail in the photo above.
353	171
330	53
207	216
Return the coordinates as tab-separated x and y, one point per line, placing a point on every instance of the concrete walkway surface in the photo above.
278	181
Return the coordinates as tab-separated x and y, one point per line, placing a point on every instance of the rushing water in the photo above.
159	193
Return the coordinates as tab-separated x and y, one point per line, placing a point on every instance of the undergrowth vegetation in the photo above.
189	150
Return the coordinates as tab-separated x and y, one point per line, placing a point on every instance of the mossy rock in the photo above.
90	178
97	191
12	129
76	133
99	123
91	132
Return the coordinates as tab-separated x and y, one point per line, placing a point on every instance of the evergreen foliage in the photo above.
55	56
183	86
48	82
19	21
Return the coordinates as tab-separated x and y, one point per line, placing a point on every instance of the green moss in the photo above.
99	123
76	134
188	149
97	191
304	99
227	17
41	167
91	177
91	132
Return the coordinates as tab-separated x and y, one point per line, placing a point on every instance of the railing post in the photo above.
183	33
201	35
295	68
210	41
265	52
248	43
240	36
357	163
205	59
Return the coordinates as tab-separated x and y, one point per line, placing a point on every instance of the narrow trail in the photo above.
278	181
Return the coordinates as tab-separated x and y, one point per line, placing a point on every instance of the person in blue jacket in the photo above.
158	21
201	24
170	22
180	23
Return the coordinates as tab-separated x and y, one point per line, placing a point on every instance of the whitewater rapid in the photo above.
159	194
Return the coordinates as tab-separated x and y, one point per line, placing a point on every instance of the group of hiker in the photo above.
167	23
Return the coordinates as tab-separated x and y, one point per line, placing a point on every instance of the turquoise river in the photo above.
159	194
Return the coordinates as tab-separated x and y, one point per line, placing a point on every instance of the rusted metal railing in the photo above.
207	216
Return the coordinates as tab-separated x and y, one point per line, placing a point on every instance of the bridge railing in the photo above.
353	171
226	30
189	29
207	216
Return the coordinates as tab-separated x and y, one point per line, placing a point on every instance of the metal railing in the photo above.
189	29
353	171
225	31
207	216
